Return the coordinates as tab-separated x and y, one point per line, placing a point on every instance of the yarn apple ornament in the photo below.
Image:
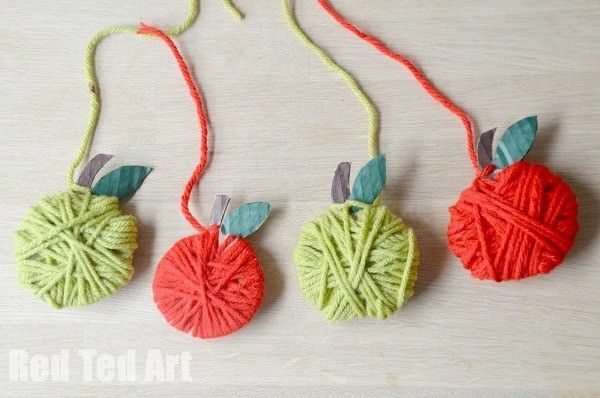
76	247
203	285
358	259
517	219
211	288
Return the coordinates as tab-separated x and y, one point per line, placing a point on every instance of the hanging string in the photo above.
90	72
414	70
331	64
228	4
200	111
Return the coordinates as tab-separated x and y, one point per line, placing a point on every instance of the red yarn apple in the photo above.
517	222
209	288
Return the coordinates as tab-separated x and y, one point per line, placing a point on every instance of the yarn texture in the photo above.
353	264
208	289
516	224
75	248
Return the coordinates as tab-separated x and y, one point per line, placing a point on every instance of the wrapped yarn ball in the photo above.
357	260
209	289
75	248
518	223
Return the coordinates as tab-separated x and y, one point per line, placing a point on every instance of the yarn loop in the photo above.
208	289
518	223
75	248
353	264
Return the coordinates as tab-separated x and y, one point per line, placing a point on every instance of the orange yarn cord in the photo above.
414	70
194	92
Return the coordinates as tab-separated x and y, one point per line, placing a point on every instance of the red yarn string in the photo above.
195	177
418	75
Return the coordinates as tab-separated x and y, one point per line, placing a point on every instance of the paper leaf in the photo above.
515	142
122	182
340	187
484	148
246	219
92	168
370	180
218	210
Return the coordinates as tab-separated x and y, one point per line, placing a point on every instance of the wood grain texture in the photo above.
281	124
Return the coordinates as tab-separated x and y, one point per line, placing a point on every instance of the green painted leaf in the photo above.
246	219
121	182
515	142
370	180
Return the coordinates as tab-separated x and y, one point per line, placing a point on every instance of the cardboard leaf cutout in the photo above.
122	182
484	148
340	187
515	142
246	219
92	168
370	180
218	210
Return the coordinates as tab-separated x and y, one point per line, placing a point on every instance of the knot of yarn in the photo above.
209	289
357	260
518	223
75	248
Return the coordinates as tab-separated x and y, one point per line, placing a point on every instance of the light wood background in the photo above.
281	122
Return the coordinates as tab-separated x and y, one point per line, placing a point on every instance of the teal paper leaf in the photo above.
246	219
121	182
515	142
370	180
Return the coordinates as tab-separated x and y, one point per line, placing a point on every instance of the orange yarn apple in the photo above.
517	222
209	288
203	286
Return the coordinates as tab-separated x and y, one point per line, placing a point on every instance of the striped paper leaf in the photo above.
121	182
515	142
370	180
246	219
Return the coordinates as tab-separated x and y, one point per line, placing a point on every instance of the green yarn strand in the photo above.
228	4
94	113
193	10
352	82
90	72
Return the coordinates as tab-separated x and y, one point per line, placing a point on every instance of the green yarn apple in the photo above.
76	247
357	259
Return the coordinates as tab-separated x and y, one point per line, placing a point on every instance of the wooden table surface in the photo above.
281	122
